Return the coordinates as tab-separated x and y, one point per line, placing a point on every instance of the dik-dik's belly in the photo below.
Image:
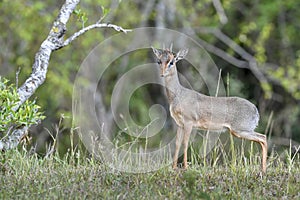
212	126
203	122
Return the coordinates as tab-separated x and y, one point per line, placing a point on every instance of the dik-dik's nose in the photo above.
162	71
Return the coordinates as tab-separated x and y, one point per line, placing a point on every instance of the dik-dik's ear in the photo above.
157	52
181	54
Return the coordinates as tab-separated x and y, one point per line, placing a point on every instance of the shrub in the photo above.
28	113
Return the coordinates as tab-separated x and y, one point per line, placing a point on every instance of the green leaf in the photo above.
28	114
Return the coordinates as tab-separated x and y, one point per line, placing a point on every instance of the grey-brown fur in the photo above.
191	109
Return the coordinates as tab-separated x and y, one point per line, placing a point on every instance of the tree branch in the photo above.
97	25
11	140
53	42
220	10
41	62
250	62
217	51
228	41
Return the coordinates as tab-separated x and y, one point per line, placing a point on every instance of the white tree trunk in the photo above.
54	41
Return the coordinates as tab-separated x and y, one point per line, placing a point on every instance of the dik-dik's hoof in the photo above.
175	168
261	174
185	167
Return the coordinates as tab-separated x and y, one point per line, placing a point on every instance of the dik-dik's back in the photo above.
191	109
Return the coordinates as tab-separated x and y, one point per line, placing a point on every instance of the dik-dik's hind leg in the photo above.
179	137
264	145
259	138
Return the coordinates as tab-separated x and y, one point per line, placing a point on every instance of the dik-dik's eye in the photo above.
171	63
159	62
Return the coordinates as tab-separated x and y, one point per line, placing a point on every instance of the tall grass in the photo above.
230	170
25	175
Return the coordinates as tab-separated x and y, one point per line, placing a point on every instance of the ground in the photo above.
25	175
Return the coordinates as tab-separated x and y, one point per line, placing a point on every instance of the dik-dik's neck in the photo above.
172	84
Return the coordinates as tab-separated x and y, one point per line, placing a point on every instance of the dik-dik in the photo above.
191	109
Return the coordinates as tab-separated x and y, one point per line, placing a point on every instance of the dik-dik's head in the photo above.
167	60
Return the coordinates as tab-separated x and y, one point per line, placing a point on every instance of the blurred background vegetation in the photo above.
263	30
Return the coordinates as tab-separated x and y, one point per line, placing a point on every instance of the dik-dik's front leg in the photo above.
178	142
182	133
186	137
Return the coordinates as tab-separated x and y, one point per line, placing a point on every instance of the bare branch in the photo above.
217	51
227	40
82	31
41	62
222	54
220	10
258	70
147	10
252	63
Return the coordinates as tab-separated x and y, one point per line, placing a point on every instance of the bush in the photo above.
28	113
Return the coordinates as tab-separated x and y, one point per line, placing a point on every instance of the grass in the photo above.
24	175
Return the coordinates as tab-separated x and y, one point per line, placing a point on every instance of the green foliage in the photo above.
259	46
289	77
81	16
105	11
27	115
269	31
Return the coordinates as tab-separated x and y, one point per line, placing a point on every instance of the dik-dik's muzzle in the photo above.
164	71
